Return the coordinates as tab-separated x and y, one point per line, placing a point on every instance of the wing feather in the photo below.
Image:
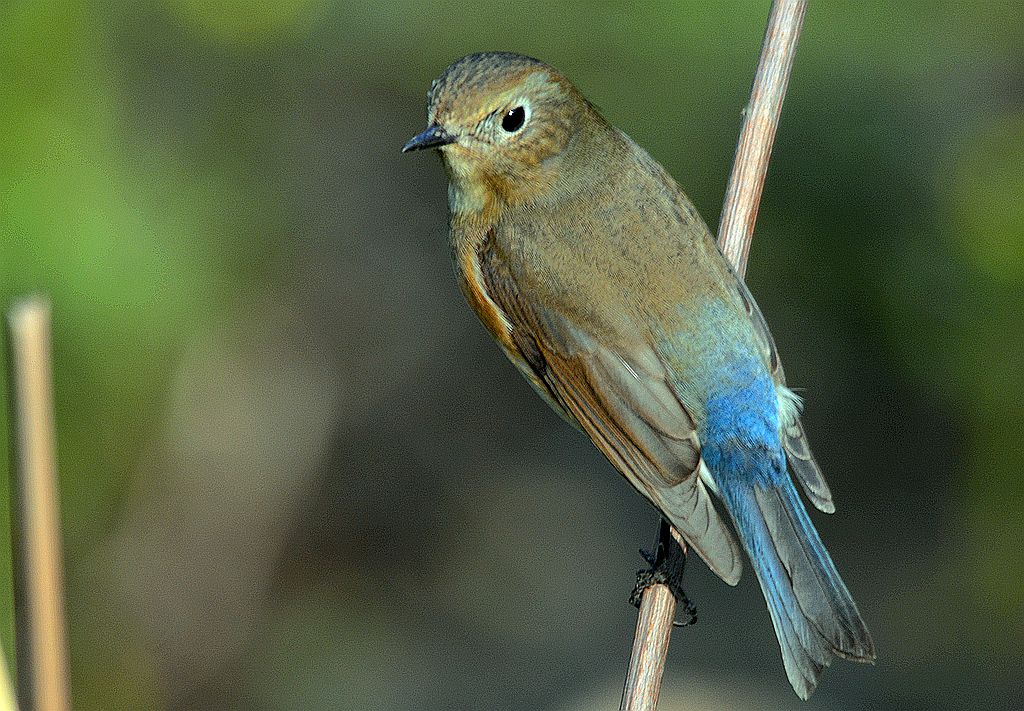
621	400
798	451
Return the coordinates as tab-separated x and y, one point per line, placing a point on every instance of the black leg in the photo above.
667	561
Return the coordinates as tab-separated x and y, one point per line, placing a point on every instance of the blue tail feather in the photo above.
812	611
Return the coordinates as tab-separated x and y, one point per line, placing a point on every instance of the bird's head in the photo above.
502	122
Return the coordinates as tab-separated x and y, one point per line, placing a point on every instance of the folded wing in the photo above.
621	399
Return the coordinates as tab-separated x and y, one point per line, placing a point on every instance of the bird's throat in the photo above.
468	198
472	200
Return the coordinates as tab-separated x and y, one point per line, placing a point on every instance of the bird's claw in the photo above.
666	569
689	610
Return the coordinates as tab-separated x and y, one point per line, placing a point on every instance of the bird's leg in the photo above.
667	561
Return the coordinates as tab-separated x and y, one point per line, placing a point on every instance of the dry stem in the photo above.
40	637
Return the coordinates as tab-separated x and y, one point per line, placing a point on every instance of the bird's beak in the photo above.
433	137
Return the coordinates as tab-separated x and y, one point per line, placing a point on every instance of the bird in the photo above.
601	283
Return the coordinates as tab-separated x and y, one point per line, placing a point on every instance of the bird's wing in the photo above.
622	401
794	440
798	451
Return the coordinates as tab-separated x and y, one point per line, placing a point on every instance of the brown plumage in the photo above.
604	287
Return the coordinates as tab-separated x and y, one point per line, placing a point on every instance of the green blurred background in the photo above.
296	474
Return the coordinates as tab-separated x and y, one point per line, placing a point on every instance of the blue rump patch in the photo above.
740	433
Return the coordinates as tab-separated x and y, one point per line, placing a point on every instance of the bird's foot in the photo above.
667	563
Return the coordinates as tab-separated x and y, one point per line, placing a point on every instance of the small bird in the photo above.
605	288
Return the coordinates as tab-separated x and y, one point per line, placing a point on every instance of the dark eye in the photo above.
514	119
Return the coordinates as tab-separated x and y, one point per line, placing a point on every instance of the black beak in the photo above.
433	137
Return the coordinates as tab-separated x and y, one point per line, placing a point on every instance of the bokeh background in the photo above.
296	473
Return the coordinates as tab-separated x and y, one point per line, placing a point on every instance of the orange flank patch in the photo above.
476	294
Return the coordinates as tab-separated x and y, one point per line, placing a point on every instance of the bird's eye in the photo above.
514	119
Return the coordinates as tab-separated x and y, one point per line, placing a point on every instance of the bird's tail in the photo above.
814	615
